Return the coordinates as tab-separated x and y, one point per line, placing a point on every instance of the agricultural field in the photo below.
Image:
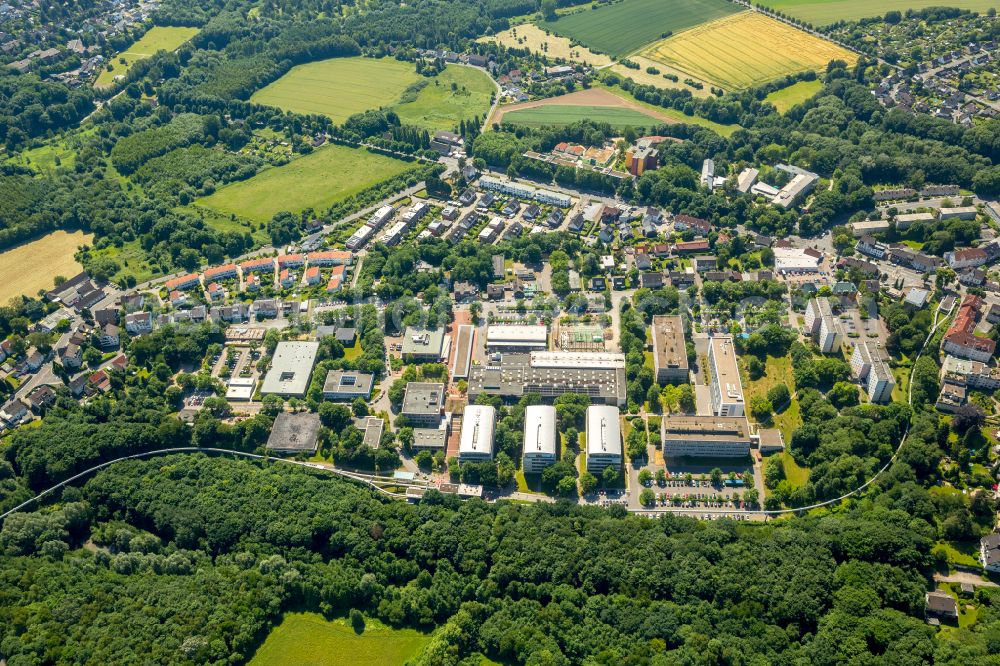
672	115
316	180
559	114
530	36
158	38
825	12
27	268
644	77
795	94
307	639
339	87
440	107
745	50
622	28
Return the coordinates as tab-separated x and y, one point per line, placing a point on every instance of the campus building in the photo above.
706	436
540	438
476	443
670	363
599	375
291	365
726	388
516	338
423	404
604	439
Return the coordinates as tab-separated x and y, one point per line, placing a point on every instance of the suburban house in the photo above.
138	323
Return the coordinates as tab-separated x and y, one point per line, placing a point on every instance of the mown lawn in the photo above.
307	639
793	95
719	128
961	553
339	87
778	370
316	180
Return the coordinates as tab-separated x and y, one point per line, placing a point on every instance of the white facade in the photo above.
726	387
540	438
604	439
516	338
476	443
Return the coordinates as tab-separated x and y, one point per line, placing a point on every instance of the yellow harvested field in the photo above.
28	268
530	36
745	50
645	78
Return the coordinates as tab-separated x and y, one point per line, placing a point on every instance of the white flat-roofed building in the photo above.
540	438
380	217
599	375
708	174
959	213
706	436
880	382
291	366
726	387
764	190
907	220
476	443
800	185
360	237
517	337
868	227
423	404
796	260
823	326
604	439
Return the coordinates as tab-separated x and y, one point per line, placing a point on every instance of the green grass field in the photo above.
824	12
794	94
559	114
679	116
439	106
314	181
339	87
622	28
158	38
306	639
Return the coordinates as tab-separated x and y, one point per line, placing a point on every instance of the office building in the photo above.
670	362
726	388
423	404
294	433
540	438
420	344
604	439
347	385
476	443
599	375
706	436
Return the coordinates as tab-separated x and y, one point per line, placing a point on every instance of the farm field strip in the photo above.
627	26
316	180
532	37
339	87
745	50
26	268
556	114
825	12
157	38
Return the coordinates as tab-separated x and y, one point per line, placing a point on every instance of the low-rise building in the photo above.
138	323
599	375
294	433
291	366
516	338
421	344
989	551
961	340
706	436
423	404
347	385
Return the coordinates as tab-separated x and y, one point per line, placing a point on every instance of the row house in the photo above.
224	272
329	258
181	283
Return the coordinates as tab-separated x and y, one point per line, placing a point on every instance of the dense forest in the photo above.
220	548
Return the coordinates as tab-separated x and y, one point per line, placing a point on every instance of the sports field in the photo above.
824	12
624	27
32	266
530	36
339	87
796	93
158	38
316	180
439	106
745	50
307	639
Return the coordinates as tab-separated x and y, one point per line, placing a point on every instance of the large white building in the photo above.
476	443
525	191
604	439
726	387
540	438
291	366
516	337
796	260
706	436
